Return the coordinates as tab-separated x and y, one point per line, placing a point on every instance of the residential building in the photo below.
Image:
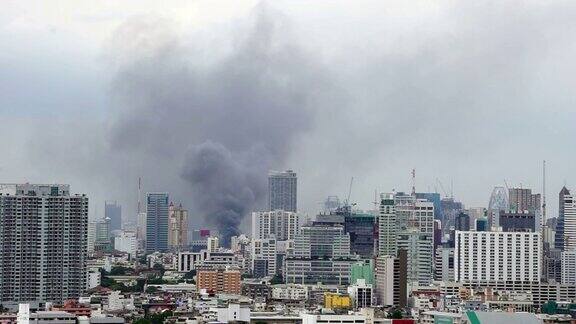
157	222
219	281
284	225
113	211
569	267
522	199
126	242
497	256
282	191
263	257
213	243
177	227
391	280
387	226
444	264
43	243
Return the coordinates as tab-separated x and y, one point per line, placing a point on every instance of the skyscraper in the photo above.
282	191
387	227
569	222
521	199
559	236
113	210
177	227
43	243
157	222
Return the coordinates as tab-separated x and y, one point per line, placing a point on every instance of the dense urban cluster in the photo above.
414	258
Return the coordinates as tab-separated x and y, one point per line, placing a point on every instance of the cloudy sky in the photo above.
201	98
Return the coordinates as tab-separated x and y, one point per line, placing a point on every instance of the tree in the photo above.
395	314
151	289
189	275
277	280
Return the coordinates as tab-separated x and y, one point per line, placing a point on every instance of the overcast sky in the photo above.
96	94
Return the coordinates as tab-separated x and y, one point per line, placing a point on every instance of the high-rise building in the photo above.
482	224
177	227
387	226
391	279
321	254
362	270
521	199
141	228
569	267
113	211
559	239
263	257
361	293
444	264
282	191
157	222
568	213
43	243
497	256
283	225
102	235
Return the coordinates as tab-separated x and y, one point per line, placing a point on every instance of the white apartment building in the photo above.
569	267
569	209
290	292
284	225
263	252
387	227
126	242
188	261
497	256
444	264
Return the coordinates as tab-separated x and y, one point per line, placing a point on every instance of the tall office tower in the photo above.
321	254
102	241
283	225
444	264
569	213
518	221
282	191
522	199
497	256
391	279
499	202
437	234
560	238
435	198
177	227
113	211
387	226
263	252
157	222
43	243
553	266
462	222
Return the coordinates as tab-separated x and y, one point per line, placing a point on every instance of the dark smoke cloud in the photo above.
222	125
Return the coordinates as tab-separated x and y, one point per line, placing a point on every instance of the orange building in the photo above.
219	281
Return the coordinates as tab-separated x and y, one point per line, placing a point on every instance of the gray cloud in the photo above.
475	92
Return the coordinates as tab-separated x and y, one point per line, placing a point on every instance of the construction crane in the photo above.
349	191
442	187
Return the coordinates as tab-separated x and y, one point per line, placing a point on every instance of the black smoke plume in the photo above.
220	124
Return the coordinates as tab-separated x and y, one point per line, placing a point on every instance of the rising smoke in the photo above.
220	125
